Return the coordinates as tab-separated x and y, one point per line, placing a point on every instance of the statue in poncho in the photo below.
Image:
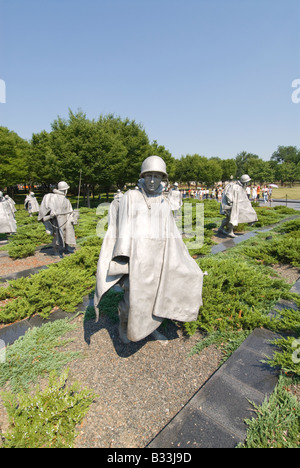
175	198
31	204
144	253
236	206
57	214
8	223
12	203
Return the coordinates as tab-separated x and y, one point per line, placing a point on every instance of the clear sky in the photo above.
212	77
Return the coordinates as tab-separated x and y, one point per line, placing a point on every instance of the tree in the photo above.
287	172
14	154
135	143
229	169
44	166
286	154
243	160
210	171
187	169
199	169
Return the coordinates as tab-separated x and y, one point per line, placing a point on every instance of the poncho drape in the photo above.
236	205
8	223
143	240
31	204
56	213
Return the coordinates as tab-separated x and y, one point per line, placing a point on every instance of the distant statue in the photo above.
57	214
144	253
8	223
11	202
236	206
118	195
31	204
175	198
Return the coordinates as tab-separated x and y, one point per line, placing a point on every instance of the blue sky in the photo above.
212	77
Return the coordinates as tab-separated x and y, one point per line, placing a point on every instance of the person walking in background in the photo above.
31	204
265	193
270	194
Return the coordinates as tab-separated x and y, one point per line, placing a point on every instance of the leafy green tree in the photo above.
286	154
210	171
44	166
229	168
133	147
287	172
245	160
187	169
14	152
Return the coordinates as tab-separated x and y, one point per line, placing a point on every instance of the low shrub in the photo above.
48	418
277	421
35	354
279	249
62	285
237	295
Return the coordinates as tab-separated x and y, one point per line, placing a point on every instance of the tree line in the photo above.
108	153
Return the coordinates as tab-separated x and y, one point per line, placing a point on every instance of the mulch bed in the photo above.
9	265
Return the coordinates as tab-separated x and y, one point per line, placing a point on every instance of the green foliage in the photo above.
292	226
205	170
237	295
277	421
62	285
36	354
87	224
283	359
29	235
279	249
107	306
14	154
48	418
284	210
21	250
227	341
267	216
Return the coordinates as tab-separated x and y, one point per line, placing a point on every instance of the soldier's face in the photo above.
152	180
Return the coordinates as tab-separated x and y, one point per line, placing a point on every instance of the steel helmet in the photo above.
63	186
154	164
244	179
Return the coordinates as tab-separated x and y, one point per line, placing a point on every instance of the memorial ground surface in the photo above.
142	386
